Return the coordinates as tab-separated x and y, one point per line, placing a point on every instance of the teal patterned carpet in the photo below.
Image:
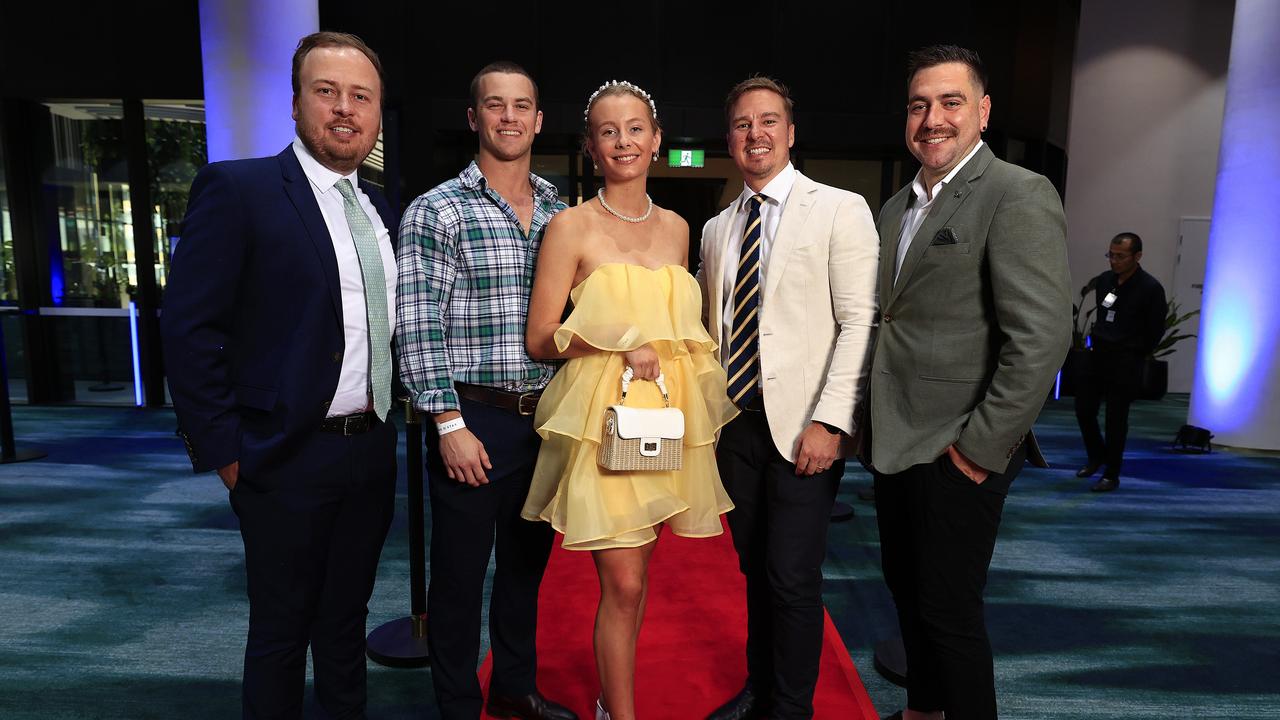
122	587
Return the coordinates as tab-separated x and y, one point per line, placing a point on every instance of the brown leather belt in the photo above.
522	403
350	424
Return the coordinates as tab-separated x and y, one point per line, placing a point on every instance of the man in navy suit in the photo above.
277	326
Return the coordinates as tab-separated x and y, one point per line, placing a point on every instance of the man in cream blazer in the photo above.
788	275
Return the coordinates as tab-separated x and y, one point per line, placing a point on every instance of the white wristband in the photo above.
449	426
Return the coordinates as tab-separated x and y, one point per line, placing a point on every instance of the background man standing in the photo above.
277	328
1127	327
788	276
976	321
466	267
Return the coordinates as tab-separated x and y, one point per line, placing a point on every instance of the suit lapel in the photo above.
794	214
381	204
298	188
715	272
954	195
891	221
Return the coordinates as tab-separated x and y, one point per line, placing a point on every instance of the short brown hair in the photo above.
334	39
927	57
500	66
759	82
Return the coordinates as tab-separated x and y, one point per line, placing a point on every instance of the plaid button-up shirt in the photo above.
465	274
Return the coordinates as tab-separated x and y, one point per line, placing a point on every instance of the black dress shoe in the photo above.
741	707
1088	470
529	707
1106	484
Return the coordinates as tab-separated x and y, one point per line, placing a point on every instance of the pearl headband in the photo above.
625	85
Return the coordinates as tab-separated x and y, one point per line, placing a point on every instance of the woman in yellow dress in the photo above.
622	261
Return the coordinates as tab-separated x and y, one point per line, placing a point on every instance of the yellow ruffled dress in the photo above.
618	308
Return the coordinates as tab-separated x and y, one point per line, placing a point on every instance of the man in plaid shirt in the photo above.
466	260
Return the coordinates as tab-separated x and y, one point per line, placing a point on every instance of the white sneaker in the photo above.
601	714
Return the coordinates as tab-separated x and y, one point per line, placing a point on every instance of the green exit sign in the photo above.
686	158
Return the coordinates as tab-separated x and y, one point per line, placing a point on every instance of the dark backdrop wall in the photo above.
844	63
98	148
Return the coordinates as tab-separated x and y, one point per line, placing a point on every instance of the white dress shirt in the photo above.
352	395
775	194
919	209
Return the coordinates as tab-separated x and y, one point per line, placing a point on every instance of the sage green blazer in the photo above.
977	324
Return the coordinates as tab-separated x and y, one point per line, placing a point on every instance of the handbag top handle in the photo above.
628	375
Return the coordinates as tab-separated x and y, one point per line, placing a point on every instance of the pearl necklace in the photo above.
626	218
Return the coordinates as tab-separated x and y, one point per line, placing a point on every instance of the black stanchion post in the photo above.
9	453
402	643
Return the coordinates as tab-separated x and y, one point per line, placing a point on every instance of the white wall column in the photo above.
1237	381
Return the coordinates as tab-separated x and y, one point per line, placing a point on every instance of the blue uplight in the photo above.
137	367
1228	344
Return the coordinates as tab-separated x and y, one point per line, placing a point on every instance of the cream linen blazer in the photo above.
818	308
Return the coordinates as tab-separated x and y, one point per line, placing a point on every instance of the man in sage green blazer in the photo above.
975	322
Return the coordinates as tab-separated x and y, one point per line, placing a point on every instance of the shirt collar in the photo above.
472	179
320	176
777	191
917	186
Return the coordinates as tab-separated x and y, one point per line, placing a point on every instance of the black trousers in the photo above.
937	533
313	532
779	525
1113	376
464	523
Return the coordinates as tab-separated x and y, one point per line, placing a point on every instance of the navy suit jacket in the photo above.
252	319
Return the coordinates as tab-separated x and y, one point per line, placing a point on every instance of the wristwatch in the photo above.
830	428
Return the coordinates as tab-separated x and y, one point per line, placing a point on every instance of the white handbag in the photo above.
639	439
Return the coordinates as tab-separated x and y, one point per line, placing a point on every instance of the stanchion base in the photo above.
867	494
394	644
23	456
891	661
841	512
106	387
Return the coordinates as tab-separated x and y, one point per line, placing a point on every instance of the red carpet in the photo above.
691	652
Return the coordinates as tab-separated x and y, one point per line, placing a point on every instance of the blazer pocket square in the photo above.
945	236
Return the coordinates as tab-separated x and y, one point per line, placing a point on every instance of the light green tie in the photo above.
375	299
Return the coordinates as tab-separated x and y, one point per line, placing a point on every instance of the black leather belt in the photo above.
350	424
756	404
520	403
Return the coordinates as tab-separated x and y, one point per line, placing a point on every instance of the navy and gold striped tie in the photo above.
744	346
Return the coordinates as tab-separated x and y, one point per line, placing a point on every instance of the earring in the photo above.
595	165
655	157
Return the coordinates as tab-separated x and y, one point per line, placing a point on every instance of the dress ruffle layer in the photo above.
620	308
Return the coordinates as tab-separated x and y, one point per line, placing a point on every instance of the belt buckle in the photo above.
520	403
351	424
